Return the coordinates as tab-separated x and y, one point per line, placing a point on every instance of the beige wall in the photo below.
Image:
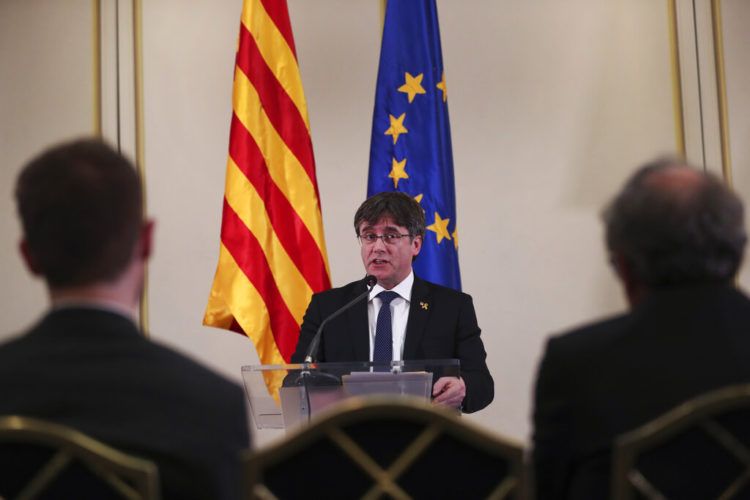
737	46
552	104
46	88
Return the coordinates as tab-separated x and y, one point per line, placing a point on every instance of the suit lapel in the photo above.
359	327
419	313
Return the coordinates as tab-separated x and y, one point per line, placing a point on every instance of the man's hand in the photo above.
449	391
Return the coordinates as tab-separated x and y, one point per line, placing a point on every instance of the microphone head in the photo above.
370	280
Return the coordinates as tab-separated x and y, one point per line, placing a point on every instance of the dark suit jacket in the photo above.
92	370
447	328
602	380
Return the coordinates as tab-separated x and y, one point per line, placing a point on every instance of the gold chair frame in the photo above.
437	421
696	413
114	467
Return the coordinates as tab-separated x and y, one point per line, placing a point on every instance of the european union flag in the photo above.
411	139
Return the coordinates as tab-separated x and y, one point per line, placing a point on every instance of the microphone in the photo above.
312	349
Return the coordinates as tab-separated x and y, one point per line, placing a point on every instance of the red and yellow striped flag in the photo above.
272	256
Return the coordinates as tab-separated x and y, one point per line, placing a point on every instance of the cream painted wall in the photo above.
552	104
543	132
46	88
534	159
736	15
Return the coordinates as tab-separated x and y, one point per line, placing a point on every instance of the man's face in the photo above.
389	262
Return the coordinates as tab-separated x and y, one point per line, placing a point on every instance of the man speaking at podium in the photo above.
404	317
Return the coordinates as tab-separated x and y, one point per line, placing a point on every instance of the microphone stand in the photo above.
312	351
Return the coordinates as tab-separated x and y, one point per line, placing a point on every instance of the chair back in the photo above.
700	449
41	459
387	448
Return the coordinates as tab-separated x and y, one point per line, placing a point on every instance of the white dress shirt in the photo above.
399	314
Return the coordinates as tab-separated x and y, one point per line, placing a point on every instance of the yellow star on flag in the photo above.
412	85
397	126
455	239
440	228
419	198
442	86
398	171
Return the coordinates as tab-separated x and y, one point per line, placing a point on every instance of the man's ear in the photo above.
417	245
623	268
28	258
146	239
634	290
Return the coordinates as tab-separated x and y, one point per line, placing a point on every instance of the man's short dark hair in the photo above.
676	237
400	207
80	208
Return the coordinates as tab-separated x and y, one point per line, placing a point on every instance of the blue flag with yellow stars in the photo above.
411	139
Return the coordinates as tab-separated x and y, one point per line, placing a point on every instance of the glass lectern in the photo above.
308	388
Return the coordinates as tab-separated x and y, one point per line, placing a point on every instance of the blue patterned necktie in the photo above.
383	350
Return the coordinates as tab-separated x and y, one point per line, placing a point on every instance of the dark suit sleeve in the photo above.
552	430
480	388
310	324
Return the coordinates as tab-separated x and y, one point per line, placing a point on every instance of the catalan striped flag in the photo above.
410	149
272	256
